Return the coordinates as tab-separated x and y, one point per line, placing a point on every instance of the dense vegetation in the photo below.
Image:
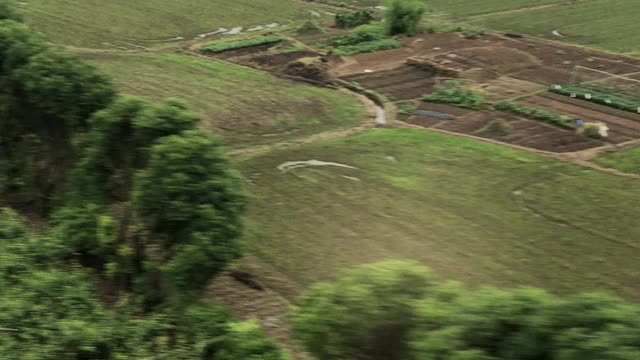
398	311
357	18
403	16
142	207
535	113
455	93
240	44
363	39
593	94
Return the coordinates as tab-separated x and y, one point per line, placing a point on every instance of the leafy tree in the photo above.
366	314
46	97
8	12
403	16
191	204
249	342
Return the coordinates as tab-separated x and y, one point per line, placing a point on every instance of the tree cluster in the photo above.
398	310
403	16
142	209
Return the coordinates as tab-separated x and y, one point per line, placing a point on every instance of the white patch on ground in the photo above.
517	192
392	158
272	25
115	46
219	31
351	178
256	28
380	116
290	165
381	7
330	13
234	31
315	13
368	71
557	33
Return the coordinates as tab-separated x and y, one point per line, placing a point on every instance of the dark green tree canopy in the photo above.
403	16
349	318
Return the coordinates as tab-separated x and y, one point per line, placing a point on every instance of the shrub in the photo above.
406	107
403	16
498	126
349	20
535	113
359	35
457	95
598	96
240	44
370	46
440	27
309	28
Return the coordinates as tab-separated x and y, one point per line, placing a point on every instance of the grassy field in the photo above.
473	211
249	107
606	24
463	8
103	24
627	161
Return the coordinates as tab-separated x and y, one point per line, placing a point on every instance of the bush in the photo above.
598	96
349	20
240	44
457	95
498	126
370	46
359	35
309	28
406	108
535	113
403	16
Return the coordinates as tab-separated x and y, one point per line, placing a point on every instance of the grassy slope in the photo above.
248	106
607	24
461	8
627	161
473	211
90	23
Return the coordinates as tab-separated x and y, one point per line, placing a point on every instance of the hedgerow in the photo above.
240	44
370	46
536	113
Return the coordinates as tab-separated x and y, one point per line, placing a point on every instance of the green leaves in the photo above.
403	16
394	310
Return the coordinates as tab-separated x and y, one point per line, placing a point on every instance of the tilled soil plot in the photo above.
621	128
524	132
401	83
509	87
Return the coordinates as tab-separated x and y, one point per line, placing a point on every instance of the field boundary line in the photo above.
565	157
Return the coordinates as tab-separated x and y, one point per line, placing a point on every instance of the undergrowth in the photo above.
535	113
457	95
239	44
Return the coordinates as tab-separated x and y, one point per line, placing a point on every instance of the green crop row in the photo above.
239	44
535	113
456	95
369	46
598	96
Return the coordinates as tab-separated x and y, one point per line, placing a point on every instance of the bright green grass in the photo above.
461	8
627	161
247	106
92	23
473	211
607	24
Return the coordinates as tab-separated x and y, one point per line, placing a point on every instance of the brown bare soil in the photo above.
401	83
621	129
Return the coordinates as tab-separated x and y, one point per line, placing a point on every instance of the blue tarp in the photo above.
434	114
